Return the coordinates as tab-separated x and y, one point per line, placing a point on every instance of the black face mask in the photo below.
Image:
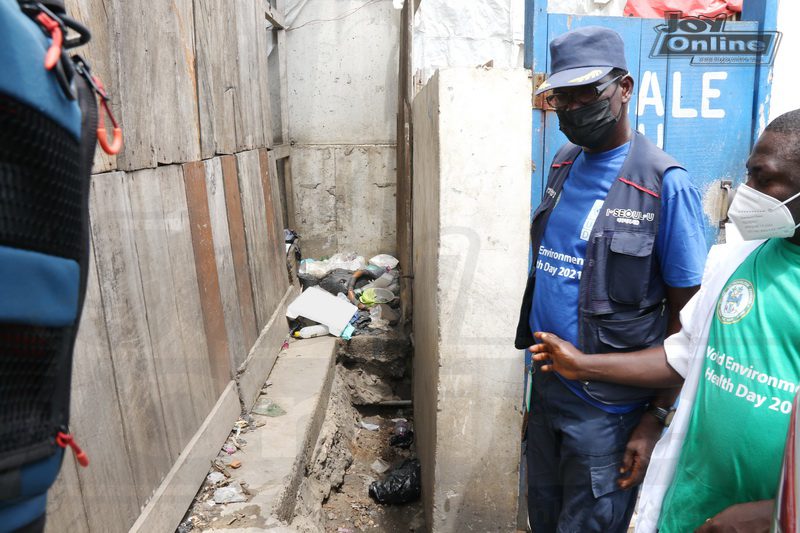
588	126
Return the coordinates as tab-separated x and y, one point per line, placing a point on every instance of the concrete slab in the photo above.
275	456
386	347
262	356
472	138
376	368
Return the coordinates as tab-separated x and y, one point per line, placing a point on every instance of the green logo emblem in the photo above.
736	301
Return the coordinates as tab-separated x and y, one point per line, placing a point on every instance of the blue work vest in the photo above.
622	296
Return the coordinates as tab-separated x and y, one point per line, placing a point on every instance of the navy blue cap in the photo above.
583	56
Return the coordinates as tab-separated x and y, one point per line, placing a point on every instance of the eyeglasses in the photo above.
583	94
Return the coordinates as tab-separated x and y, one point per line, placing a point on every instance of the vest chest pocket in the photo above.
629	263
628	334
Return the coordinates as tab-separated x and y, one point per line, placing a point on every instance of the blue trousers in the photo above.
574	453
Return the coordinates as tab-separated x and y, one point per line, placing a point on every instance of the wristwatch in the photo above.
663	415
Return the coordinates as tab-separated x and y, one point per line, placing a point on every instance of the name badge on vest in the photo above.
630	216
591	218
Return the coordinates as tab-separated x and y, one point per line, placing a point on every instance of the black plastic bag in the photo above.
402	434
336	280
402	440
401	485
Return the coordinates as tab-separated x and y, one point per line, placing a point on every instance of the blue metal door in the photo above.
704	115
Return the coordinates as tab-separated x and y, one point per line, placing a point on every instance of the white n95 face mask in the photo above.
760	216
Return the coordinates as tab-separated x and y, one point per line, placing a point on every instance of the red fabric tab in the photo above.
637	186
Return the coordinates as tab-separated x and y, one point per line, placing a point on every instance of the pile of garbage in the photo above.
401	482
220	486
345	295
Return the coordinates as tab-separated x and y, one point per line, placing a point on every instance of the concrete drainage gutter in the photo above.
273	449
289	461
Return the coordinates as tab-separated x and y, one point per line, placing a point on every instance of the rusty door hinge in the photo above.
538	102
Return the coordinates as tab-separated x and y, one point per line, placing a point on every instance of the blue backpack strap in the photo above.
47	142
24	79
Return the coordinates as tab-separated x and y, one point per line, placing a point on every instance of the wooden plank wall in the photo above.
257	235
216	79
221	235
187	262
126	324
244	289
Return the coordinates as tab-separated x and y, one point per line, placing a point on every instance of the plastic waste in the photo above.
230	494
312	268
309	332
376	296
307	280
402	435
376	270
401	426
349	261
382	315
215	477
384	261
402	439
348	331
335	281
401	485
385	281
343	261
266	407
324	308
375	319
379	466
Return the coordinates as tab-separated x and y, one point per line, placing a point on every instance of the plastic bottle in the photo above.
311	331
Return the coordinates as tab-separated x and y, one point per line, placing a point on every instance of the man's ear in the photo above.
627	84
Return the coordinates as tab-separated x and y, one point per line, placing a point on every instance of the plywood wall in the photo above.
187	261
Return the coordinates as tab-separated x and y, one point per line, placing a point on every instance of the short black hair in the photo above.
617	72
788	124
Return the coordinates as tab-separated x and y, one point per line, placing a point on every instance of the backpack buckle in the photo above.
82	67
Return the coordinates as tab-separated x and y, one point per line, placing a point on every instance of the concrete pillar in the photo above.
472	172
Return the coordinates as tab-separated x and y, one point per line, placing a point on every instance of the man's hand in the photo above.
638	451
561	356
750	517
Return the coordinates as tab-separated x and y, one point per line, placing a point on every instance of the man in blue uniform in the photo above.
618	249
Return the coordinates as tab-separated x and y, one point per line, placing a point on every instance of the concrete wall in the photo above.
471	209
786	76
425	285
342	77
345	198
